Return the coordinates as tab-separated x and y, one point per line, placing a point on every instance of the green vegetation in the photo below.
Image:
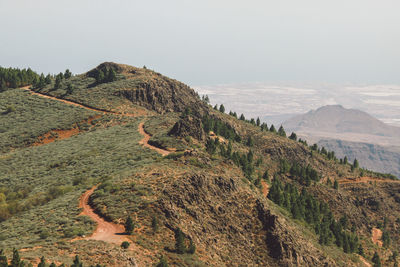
129	225
163	262
220	128
316	213
27	117
304	175
125	245
14	77
376	260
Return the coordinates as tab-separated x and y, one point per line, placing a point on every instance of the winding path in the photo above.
105	231
146	138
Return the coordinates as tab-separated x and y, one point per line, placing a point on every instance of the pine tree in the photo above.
336	184
154	223
42	262
16	260
250	141
222	108
77	262
361	250
179	241
293	136
376	260
3	85
52	265
355	164
281	131
129	225
192	247
242	118
67	74
216	107
163	262
48	79
57	83
345	160
258	121
3	259
272	129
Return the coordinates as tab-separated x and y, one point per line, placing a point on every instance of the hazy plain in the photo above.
274	103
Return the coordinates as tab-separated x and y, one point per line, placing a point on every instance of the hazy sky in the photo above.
209	41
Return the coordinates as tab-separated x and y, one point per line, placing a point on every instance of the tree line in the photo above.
14	77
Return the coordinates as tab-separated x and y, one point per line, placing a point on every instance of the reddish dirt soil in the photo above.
213	136
366	180
265	188
376	236
61	134
105	231
145	141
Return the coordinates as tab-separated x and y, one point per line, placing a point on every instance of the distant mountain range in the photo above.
352	133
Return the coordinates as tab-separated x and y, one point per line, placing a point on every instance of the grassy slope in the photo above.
76	164
33	117
133	178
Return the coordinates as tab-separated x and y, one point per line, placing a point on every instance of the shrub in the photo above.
125	245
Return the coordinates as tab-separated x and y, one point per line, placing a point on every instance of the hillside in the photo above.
91	152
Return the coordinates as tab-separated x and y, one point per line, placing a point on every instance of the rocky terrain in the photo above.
198	187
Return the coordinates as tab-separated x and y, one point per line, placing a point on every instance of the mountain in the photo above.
352	133
337	119
122	166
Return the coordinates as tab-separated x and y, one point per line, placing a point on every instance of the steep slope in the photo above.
205	196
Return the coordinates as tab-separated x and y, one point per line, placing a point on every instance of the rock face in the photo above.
188	126
163	95
286	245
222	214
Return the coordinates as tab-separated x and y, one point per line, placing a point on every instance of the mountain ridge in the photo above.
209	192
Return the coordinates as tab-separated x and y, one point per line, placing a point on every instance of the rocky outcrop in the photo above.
162	95
188	126
287	245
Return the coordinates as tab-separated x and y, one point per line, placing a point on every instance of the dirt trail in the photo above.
145	141
69	102
366	180
377	236
105	231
